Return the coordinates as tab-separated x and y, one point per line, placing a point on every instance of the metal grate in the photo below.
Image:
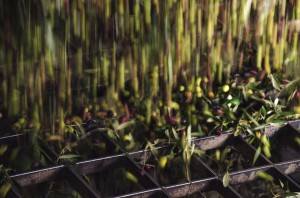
284	166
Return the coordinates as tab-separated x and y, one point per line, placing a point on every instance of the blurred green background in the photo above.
58	55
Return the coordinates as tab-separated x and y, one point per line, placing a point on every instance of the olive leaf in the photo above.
281	183
68	157
291	194
192	149
113	134
125	125
290	87
80	130
292	95
263	111
189	135
277	123
265	176
152	148
250	117
275	82
3	148
260	127
175	134
256	155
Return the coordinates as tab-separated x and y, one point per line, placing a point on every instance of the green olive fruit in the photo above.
225	88
211	95
297	109
163	161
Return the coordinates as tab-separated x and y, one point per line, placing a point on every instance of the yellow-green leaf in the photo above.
3	148
68	156
275	82
125	125
256	155
265	176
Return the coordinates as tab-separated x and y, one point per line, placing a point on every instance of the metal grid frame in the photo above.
280	170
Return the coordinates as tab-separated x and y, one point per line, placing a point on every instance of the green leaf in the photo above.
265	176
152	148
287	113
189	135
292	95
276	101
199	152
271	118
192	149
250	117
125	125
250	131
265	102
111	133
234	101
281	184
81	130
275	82
3	148
167	133
224	153
157	141
175	134
262	126
263	111
68	156
290	87
277	123
256	155
291	194
226	179
229	113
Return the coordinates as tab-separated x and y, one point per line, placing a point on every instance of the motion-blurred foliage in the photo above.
58	55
